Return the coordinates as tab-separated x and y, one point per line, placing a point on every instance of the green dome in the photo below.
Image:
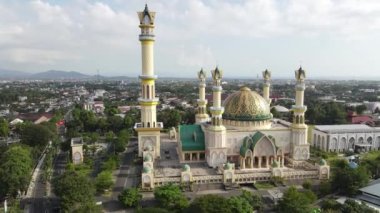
146	169
322	162
186	168
148	158
228	166
246	105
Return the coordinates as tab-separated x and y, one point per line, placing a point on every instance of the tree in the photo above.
130	197
103	181
326	113
4	128
115	123
360	109
209	204
170	197
254	200
94	137
294	202
306	184
75	191
129	121
122	141
15	169
36	135
352	206
347	180
110	136
239	204
170	117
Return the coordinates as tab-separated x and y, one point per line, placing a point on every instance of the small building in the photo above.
77	150
371	194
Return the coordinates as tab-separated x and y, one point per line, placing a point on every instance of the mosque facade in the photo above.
238	142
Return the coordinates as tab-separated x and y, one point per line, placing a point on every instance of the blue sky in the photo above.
330	38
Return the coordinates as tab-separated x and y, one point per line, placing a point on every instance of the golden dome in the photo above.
246	105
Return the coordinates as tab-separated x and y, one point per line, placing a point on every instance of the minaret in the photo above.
299	128
202	116
217	150
217	109
149	129
266	86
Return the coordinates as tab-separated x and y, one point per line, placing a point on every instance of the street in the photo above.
125	178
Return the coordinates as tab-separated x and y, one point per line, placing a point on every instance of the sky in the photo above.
329	38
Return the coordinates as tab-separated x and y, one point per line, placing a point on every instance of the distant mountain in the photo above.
58	74
13	74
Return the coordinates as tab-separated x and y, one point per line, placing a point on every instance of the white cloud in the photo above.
196	56
51	34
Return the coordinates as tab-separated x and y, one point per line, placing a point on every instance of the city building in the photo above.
239	143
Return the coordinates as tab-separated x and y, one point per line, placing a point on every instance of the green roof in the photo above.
250	142
192	137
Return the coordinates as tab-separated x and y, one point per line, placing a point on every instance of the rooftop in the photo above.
345	128
373	190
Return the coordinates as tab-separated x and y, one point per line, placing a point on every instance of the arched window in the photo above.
369	140
148	92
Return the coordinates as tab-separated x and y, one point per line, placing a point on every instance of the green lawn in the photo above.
371	155
263	185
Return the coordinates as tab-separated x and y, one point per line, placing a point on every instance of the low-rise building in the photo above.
340	138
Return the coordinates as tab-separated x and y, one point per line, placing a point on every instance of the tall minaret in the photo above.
217	109
217	150
202	116
299	128
266	86
149	129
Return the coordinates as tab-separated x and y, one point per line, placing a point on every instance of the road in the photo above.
126	177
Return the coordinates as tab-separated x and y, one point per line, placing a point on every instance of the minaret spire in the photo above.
266	86
202	115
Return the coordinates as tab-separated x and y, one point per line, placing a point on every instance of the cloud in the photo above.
196	56
77	33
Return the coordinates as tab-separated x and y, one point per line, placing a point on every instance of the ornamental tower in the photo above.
202	116
149	129
216	153
266	86
299	128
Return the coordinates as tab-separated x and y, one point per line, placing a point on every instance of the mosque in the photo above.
239	143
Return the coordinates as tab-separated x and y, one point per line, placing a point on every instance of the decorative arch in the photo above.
351	143
343	144
369	140
213	157
334	144
148	144
361	140
323	143
186	177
